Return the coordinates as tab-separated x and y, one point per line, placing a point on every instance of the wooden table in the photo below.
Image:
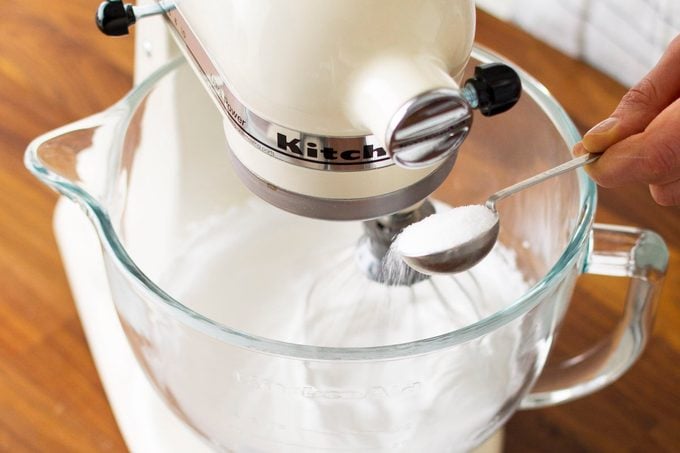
55	67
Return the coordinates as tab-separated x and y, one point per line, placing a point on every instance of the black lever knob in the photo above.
114	18
494	89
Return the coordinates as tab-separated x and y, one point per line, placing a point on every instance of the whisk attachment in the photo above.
374	253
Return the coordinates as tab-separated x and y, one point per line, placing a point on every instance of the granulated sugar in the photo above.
444	230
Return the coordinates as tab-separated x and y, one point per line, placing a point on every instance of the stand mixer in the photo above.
351	111
363	121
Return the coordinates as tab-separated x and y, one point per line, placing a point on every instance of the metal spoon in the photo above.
469	253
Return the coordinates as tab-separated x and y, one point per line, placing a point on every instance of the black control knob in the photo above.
494	89
114	18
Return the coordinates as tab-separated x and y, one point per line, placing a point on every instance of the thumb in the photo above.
656	91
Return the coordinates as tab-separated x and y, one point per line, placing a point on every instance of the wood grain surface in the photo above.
55	67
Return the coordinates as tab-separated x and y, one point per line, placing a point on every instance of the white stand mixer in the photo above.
145	421
317	125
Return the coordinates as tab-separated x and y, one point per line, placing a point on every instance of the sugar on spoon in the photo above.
456	240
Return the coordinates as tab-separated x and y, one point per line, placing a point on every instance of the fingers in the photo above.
642	137
641	104
666	194
651	156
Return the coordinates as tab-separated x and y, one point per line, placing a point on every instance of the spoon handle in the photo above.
556	171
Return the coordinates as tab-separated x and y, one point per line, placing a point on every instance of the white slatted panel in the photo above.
623	38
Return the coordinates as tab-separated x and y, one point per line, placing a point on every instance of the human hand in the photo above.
640	141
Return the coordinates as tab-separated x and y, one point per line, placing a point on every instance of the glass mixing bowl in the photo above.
260	332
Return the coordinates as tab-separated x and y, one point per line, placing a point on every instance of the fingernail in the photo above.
602	136
604	126
579	149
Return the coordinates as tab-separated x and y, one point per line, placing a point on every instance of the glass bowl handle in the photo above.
640	255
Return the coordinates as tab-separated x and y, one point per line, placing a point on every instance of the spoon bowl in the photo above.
459	258
463	256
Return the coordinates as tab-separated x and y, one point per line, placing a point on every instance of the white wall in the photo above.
623	38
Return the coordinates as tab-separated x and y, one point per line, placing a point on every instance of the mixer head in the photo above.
340	110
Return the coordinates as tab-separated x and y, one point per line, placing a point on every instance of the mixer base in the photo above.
145	422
